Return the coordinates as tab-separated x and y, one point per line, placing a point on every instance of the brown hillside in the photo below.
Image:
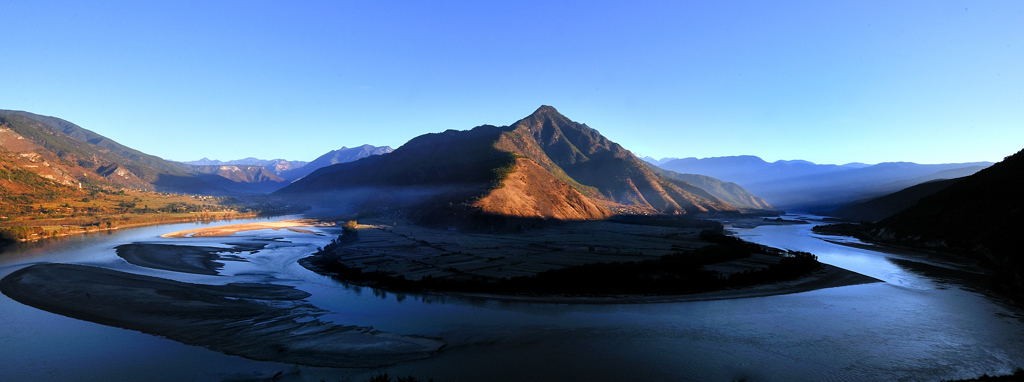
65	153
529	191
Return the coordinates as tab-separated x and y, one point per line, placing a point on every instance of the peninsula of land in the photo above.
614	261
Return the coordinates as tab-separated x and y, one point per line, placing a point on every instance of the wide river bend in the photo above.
920	324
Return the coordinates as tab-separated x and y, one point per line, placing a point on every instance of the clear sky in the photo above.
825	81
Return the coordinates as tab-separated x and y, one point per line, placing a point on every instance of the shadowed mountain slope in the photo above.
729	192
882	207
544	166
979	215
982	209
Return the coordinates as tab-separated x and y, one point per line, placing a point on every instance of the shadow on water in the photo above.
947	277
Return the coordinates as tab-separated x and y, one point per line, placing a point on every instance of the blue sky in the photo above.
829	82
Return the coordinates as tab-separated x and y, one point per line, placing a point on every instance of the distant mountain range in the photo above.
806	186
276	166
656	162
289	171
342	155
60	151
544	166
729	192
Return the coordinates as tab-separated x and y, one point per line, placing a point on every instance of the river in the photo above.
920	324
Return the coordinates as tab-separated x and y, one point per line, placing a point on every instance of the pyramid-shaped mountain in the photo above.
543	166
560	145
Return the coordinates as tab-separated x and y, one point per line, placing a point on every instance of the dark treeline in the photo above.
859	231
677	273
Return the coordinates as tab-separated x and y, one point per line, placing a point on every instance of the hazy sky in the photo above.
825	81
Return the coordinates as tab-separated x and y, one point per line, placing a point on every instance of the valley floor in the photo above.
103	210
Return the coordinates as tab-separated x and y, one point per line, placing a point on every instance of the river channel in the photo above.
921	323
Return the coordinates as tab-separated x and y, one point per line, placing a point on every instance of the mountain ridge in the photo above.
277	166
62	151
499	169
342	155
585	155
729	192
290	170
806	186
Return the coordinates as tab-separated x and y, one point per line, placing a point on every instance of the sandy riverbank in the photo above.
228	230
257	321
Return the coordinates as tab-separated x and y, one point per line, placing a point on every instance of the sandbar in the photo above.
228	230
264	322
182	258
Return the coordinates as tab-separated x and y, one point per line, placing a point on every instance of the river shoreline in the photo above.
916	327
409	254
828	276
258	321
75	230
938	258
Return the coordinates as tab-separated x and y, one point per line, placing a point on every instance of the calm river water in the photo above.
920	324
